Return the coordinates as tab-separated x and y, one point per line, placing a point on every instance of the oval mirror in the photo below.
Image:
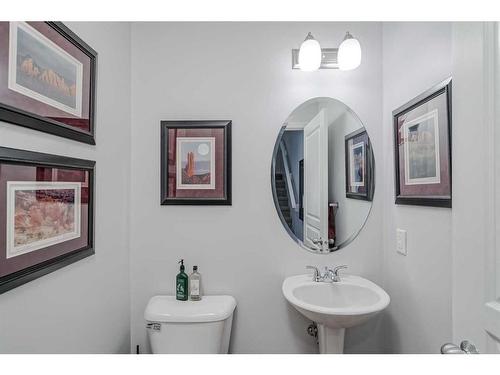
323	175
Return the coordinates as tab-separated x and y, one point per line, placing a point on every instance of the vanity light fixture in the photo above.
311	56
349	54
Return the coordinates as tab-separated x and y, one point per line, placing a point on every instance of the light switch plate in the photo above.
401	241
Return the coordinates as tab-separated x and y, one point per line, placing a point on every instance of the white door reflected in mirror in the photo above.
315	197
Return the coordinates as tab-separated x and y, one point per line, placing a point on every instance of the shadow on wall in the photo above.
360	339
124	345
298	324
392	335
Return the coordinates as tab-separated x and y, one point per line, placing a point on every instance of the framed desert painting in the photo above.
196	162
47	79
46	214
422	149
358	166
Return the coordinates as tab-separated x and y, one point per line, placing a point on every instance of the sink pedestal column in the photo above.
331	340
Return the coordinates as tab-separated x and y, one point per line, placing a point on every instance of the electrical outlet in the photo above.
401	241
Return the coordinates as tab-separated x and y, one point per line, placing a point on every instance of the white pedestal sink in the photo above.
335	306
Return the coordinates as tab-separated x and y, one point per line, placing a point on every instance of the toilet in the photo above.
192	327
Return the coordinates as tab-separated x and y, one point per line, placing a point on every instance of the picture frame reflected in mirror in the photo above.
359	166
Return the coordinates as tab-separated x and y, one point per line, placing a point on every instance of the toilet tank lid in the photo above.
209	309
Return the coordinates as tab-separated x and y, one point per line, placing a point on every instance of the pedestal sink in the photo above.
335	306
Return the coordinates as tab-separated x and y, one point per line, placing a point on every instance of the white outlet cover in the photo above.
401	247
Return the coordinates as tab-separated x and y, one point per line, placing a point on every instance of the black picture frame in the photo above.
33	121
31	158
164	168
369	162
444	87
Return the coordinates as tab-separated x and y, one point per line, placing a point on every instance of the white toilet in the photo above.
192	327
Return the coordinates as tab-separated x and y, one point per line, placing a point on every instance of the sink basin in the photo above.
335	306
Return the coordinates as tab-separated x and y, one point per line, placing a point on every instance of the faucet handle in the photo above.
335	272
338	268
316	275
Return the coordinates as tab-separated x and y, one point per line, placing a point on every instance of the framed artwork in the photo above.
195	163
47	79
359	165
422	149
46	214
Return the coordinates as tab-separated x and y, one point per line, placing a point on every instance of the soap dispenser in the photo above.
181	284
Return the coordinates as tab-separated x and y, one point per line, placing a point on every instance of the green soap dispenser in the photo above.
181	284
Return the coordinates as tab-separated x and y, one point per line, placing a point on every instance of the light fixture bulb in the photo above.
309	54
349	53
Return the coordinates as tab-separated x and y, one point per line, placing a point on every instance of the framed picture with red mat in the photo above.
47	79
195	162
422	149
46	214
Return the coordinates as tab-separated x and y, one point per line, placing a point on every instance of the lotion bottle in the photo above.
195	285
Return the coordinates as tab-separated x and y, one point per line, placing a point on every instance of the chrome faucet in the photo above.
329	275
334	274
316	275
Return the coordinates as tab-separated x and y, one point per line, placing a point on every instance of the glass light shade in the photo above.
309	54
349	54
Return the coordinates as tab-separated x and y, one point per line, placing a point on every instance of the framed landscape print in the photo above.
358	166
47	79
422	149
46	214
196	162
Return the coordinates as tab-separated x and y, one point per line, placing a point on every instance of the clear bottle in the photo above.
195	285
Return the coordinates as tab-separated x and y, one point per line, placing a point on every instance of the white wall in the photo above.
416	56
84	308
241	72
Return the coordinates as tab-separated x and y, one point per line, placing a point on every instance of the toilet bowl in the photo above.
193	327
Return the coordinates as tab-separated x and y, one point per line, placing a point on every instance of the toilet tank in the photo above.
192	327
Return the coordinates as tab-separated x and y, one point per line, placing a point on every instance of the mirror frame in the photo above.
275	195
